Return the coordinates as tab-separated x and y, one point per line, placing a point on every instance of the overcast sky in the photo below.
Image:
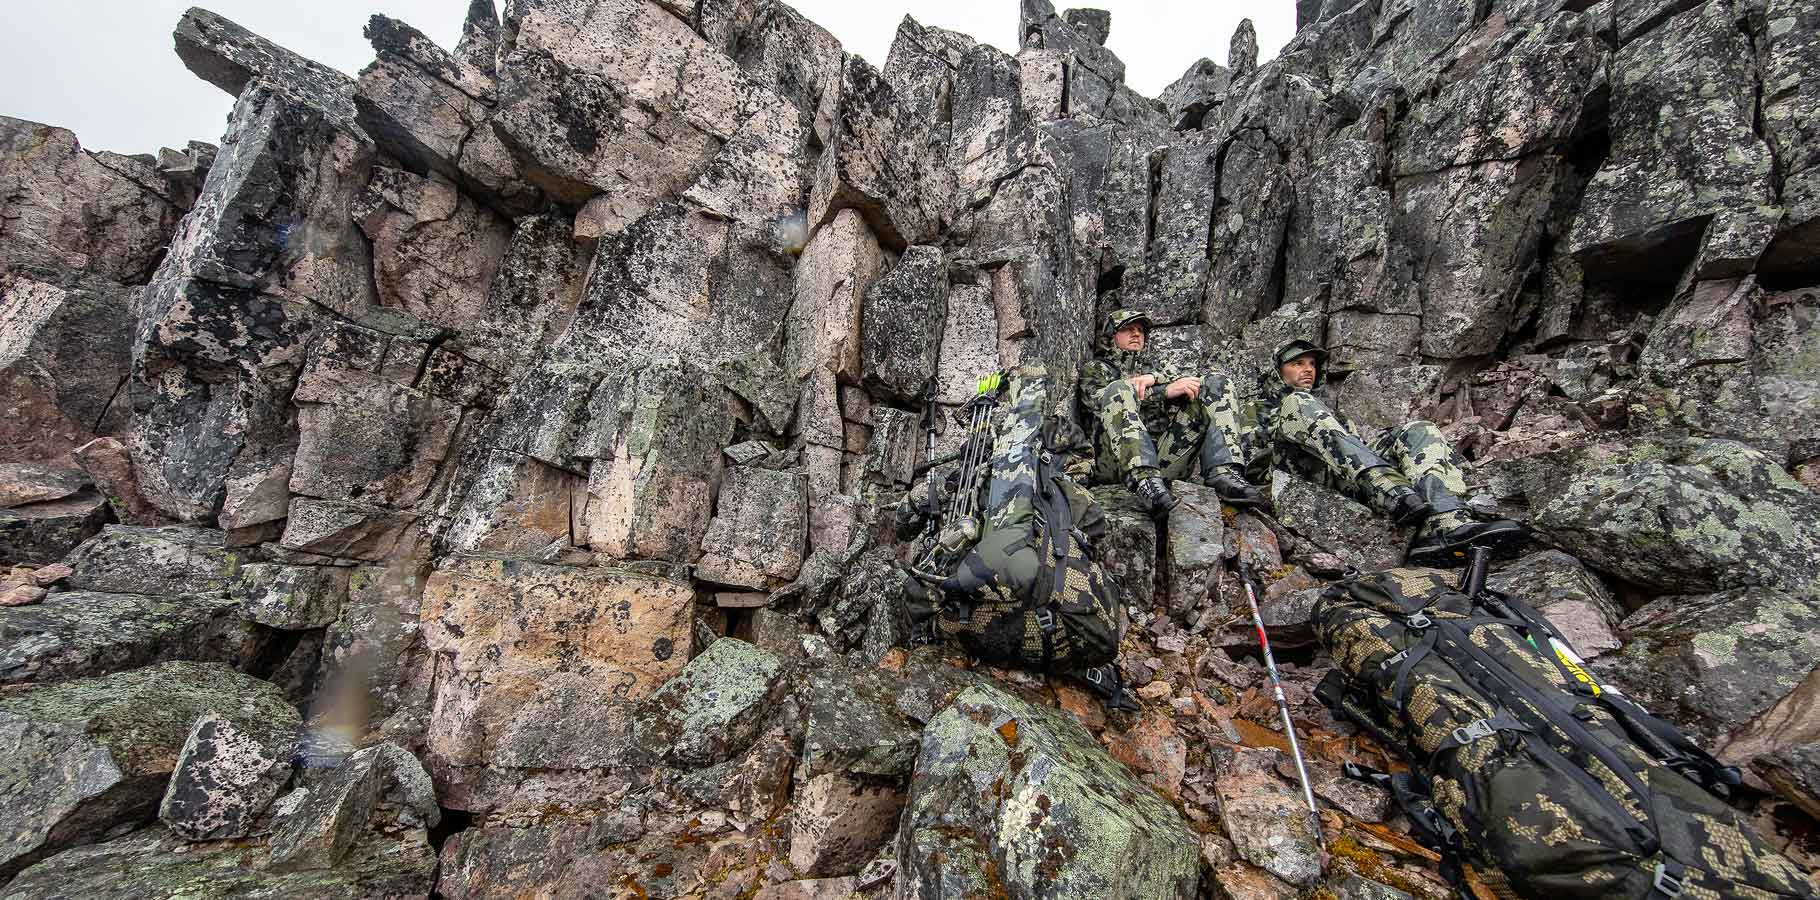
105	68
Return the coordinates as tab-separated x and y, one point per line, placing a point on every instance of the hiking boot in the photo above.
1156	496
1402	502
1406	506
1444	545
1235	491
1106	682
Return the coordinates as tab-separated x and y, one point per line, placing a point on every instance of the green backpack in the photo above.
1549	784
1030	592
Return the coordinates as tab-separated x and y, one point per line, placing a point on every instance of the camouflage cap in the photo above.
1119	318
1298	347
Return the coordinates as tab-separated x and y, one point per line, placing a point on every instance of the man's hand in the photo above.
1184	387
1141	384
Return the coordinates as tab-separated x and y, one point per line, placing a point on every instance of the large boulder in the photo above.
539	669
1194	548
230	57
69	210
77	634
534	290
874	164
366	438
759	532
432	109
901	325
221	332
83	757
1718	662
292	598
714	709
434	249
1173	275
63	354
620	98
655	437
1019	800
1781	747
22	484
1679	514
1129	550
1575	601
166	561
225	777
1790	34
156	863
317	829
1333	523
43	533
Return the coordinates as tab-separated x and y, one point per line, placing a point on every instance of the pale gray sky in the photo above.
105	68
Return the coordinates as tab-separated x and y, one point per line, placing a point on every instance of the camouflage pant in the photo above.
1010	600
1319	447
1205	430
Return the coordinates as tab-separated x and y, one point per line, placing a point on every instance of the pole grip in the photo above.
1478	563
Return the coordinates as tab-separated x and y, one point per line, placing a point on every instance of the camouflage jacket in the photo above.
1262	418
1113	365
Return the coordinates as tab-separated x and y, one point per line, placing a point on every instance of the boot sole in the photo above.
1503	544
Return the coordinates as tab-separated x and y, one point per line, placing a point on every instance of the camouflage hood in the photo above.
1273	379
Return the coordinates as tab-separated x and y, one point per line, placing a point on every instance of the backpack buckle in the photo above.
1468	733
1419	621
1045	620
1386	664
1669	884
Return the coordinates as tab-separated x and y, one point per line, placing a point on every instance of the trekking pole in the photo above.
1276	685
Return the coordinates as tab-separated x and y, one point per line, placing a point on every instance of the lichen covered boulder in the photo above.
155	863
80	758
226	777
167	561
76	634
715	708
324	822
1013	799
1680	516
538	670
1716	663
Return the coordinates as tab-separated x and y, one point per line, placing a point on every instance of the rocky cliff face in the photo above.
523	414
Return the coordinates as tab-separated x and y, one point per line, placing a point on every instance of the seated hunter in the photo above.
1409	474
1150	423
1006	566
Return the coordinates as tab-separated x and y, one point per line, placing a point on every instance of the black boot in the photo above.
1235	491
1156	496
1106	682
1406	506
1444	545
1401	501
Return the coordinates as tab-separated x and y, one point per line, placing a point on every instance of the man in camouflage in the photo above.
1409	474
1022	586
1151	423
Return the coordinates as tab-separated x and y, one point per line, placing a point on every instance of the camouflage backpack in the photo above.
1031	593
1549	784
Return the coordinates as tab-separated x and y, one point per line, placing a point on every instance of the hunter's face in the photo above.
1299	373
1131	337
